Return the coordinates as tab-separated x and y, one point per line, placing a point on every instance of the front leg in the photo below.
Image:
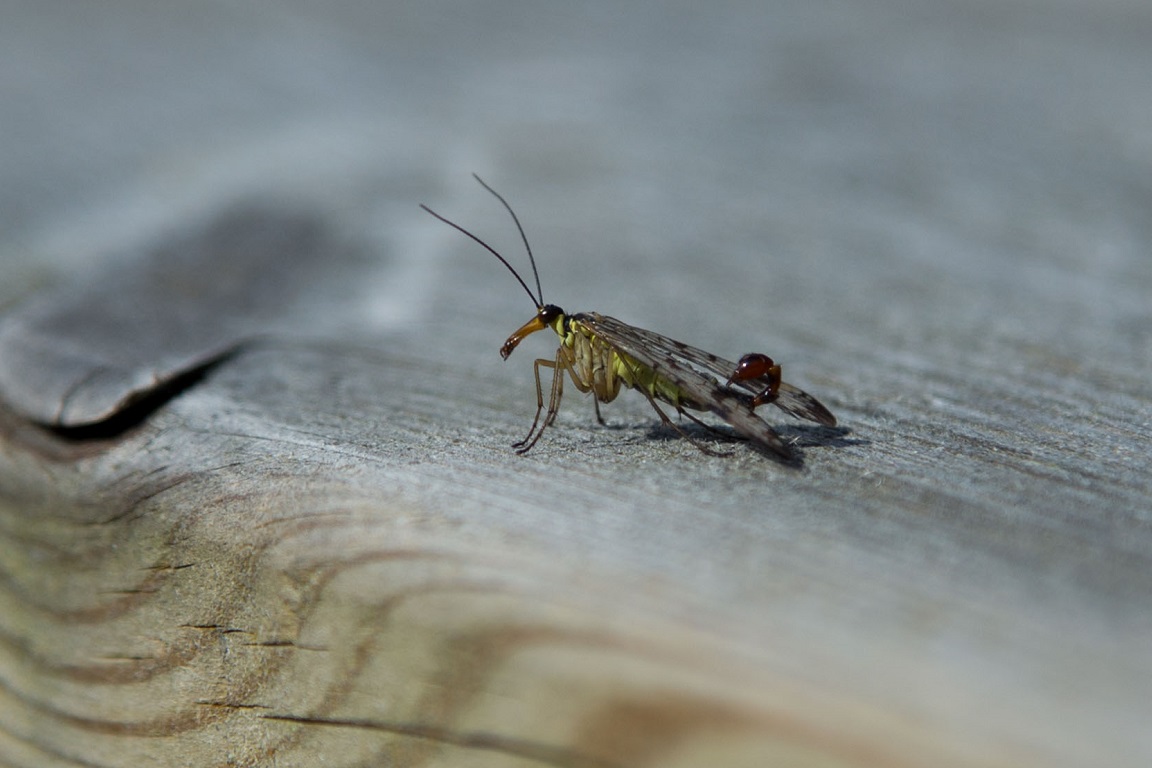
520	446
563	362
566	361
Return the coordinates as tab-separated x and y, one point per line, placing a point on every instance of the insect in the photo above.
601	354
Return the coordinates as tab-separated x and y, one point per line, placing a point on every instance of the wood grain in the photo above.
274	597
237	613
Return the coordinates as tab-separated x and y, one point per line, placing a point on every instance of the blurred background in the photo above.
787	174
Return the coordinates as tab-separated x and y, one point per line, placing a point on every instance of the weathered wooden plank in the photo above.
322	549
403	592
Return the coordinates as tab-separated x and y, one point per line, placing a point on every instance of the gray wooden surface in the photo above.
936	217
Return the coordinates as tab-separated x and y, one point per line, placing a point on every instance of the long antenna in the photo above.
493	252
524	237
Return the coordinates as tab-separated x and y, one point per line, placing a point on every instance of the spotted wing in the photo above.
792	400
798	403
685	367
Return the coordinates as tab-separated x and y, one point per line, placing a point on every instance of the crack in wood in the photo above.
543	753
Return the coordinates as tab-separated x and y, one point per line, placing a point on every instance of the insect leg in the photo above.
706	425
679	430
651	398
539	398
557	389
558	366
565	361
596	407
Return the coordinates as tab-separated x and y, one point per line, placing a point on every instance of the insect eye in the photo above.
548	313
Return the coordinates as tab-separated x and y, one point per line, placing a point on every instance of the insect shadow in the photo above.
796	436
